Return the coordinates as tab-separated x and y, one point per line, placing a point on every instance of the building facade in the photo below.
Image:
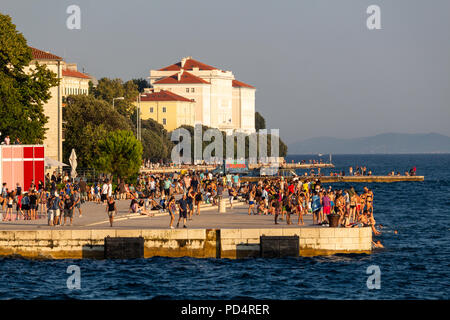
220	100
72	82
53	107
167	108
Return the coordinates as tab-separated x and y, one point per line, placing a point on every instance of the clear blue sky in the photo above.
318	70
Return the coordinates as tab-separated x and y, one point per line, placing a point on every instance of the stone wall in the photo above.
199	243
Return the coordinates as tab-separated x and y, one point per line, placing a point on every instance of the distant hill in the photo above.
382	143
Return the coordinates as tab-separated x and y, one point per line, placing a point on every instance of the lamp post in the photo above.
118	98
138	117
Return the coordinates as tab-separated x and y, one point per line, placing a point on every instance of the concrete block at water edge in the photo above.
134	233
309	233
271	232
348	240
326	232
311	241
100	234
328	246
247	247
181	234
25	235
81	234
365	232
291	232
250	233
322	241
7	235
44	234
230	233
193	234
61	234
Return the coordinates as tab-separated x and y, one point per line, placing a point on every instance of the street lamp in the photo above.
118	98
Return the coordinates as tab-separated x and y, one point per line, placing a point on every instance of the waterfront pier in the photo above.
233	234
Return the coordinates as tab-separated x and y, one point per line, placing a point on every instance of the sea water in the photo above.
415	263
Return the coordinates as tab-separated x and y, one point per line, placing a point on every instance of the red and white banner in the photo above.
21	164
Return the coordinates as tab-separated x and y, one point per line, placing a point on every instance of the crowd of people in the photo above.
282	199
183	194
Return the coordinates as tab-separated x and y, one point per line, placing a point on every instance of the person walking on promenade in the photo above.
77	201
9	201
315	206
105	192
183	210
33	204
111	209
42	202
190	201
19	206
326	205
198	200
68	209
172	209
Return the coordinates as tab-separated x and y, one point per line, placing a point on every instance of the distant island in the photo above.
386	143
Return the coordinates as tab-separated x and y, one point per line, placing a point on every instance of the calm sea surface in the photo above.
414	265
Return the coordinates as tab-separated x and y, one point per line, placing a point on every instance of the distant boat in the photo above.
320	154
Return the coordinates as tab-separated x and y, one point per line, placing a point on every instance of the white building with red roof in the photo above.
220	100
72	82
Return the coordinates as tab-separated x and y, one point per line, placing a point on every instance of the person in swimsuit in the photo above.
300	208
198	200
172	209
290	206
251	202
352	213
279	206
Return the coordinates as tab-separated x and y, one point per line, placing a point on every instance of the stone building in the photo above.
220	100
72	82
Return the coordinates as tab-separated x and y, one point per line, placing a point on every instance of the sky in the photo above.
317	68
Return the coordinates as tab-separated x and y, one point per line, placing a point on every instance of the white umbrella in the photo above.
73	163
49	162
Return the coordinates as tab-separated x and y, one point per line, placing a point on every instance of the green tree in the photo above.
108	89
120	154
88	120
23	91
260	122
155	141
141	84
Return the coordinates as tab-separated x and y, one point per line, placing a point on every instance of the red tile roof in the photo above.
42	55
237	83
188	65
186	77
163	95
74	74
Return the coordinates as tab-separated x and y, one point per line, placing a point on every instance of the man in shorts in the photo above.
56	207
77	201
183	208
111	209
68	209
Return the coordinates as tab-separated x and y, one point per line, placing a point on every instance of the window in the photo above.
192	90
164	121
151	109
187	89
164	109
